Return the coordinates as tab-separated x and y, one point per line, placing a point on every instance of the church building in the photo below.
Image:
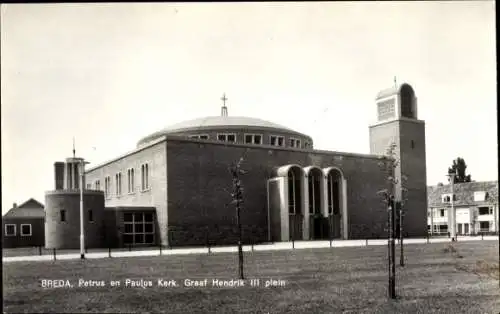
174	188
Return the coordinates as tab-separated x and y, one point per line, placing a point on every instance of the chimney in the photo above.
14	205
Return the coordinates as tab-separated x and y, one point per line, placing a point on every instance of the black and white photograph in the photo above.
250	157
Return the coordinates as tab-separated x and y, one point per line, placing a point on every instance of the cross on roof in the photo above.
224	108
224	99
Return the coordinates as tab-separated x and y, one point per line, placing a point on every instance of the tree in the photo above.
389	165
237	196
458	168
389	196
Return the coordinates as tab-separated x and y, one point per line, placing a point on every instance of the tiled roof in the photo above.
464	193
29	209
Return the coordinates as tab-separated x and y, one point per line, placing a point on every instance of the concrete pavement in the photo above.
259	247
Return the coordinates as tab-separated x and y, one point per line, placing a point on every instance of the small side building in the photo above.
475	205
23	225
62	225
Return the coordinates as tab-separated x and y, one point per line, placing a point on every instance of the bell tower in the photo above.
398	123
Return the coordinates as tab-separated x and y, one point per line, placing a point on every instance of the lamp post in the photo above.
82	230
451	178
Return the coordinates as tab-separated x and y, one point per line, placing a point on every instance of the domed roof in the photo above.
217	122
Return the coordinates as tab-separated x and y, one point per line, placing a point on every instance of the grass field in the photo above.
436	279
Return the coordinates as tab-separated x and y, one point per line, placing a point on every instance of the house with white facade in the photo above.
475	205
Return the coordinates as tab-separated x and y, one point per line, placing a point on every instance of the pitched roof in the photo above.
29	209
464	193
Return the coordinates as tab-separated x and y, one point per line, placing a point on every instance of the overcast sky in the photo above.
109	74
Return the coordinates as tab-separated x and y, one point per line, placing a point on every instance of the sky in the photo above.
109	74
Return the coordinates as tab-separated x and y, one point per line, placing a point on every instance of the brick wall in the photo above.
66	234
199	187
412	165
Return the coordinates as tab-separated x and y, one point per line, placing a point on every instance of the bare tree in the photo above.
237	195
389	165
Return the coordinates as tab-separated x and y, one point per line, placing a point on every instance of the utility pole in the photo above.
82	232
236	171
453	223
82	226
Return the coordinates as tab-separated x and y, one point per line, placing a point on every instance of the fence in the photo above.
209	246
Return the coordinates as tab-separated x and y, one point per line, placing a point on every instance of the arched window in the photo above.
407	101
291	193
314	192
333	195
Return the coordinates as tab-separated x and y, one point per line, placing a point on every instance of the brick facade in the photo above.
200	184
66	234
190	183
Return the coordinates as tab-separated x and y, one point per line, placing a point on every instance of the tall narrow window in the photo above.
107	187
330	194
333	195
336	197
130	180
91	216
62	214
144	177
97	185
291	193
311	194
118	181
